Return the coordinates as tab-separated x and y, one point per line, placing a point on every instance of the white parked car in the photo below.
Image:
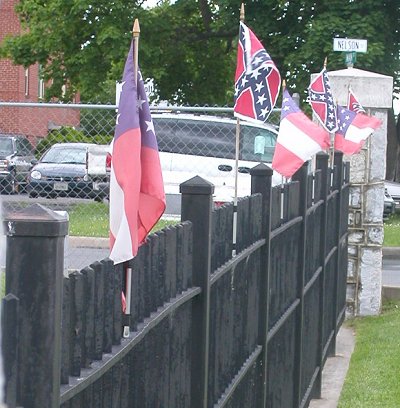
201	145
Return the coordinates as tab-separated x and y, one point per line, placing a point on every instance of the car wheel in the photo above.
32	194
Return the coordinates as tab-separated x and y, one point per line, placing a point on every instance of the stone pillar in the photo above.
367	174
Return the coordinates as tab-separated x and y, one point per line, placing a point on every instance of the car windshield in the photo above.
6	146
65	155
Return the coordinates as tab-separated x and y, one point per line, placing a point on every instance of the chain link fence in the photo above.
56	155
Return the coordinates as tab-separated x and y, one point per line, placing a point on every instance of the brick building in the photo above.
19	84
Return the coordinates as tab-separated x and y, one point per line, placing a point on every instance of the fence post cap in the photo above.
261	170
35	220
338	156
196	185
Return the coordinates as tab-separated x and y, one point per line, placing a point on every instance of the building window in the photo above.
26	82
41	84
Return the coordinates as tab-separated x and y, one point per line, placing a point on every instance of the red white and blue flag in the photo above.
137	198
321	100
257	80
298	139
353	104
354	128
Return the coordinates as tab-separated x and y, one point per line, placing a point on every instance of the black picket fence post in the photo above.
302	177
34	272
261	182
9	342
322	165
197	207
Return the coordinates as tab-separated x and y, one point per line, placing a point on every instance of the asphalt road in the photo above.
391	271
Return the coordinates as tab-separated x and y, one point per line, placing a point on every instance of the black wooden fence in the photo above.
208	328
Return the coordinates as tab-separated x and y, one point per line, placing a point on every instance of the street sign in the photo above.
350	58
349	45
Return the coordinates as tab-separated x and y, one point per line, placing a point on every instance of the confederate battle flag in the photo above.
257	80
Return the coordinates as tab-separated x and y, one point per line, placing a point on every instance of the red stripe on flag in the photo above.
112	240
363	121
346	146
152	197
285	162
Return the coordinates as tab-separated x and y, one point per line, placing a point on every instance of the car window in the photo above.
164	130
214	139
23	147
6	146
65	155
195	137
257	144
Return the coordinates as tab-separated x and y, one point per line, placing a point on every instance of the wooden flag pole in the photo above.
331	134
237	147
127	268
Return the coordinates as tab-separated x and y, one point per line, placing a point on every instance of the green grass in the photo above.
373	377
392	231
91	220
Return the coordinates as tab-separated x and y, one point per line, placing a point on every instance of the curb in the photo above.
88	242
335	370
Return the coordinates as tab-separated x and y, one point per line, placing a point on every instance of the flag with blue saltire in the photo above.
137	198
353	104
321	101
257	80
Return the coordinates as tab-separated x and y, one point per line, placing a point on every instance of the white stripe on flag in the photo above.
355	134
119	226
296	141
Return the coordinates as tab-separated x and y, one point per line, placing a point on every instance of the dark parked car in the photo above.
393	189
63	172
389	205
16	154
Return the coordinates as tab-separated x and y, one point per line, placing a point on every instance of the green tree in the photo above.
189	47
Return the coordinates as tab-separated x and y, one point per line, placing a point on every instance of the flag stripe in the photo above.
356	134
293	138
285	161
346	146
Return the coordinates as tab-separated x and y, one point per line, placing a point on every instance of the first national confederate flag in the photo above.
257	80
137	198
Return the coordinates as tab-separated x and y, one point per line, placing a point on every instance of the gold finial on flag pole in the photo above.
283	84
325	62
135	35
242	12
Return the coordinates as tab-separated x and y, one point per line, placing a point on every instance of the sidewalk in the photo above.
335	370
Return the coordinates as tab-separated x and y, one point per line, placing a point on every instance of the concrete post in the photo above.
367	174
